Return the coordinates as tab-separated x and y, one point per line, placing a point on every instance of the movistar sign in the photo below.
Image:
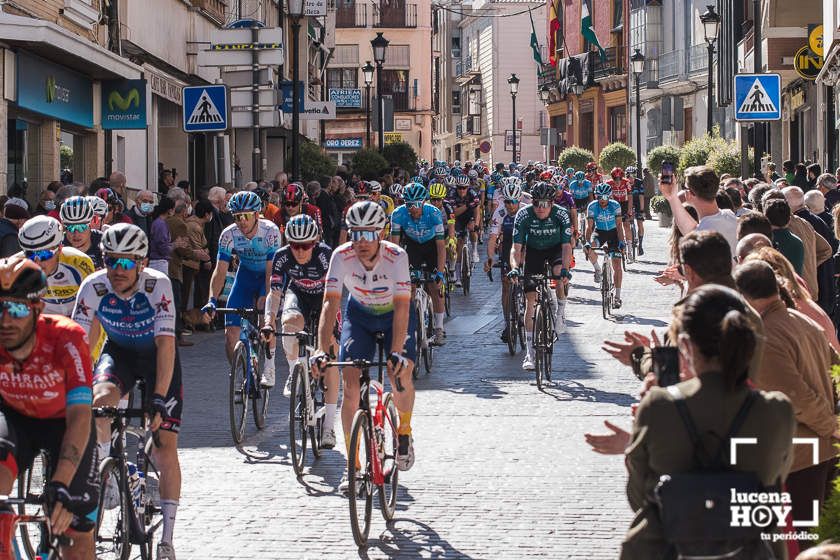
124	104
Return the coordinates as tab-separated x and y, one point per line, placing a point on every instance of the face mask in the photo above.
49	205
147	207
189	210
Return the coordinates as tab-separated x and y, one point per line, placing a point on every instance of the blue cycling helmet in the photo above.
604	190
415	192
244	201
580	176
417	179
570	170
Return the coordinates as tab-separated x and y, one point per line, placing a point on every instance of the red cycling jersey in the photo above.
57	373
620	189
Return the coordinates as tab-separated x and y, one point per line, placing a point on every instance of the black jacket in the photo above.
8	239
213	231
143	222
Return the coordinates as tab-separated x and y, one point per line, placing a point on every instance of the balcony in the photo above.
214	9
351	15
614	64
698	58
671	65
395	14
467	68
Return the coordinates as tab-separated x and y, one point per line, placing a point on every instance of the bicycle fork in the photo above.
378	439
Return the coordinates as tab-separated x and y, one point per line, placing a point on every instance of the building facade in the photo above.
829	78
446	92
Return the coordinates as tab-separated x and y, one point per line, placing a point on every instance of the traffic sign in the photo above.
273	57
758	97
205	108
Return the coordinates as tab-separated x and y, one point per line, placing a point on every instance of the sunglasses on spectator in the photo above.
77	228
302	246
15	309
365	234
542	204
120	262
511	201
242	216
42	255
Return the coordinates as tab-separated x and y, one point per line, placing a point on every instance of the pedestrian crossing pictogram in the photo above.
757	101
205	108
758	97
205	111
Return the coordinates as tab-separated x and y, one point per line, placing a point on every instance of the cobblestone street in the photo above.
502	469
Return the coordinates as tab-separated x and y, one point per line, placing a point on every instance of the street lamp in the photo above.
380	46
295	13
711	22
367	71
545	94
637	62
513	81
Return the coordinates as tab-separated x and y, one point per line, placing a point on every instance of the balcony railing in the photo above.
214	9
671	65
395	14
613	64
698	58
351	15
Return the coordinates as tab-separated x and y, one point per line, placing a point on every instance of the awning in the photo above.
55	43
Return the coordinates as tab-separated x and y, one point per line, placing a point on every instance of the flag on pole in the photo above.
553	29
588	30
535	44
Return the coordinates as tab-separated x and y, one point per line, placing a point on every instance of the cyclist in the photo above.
592	174
41	239
602	217
361	191
564	199
45	404
621	188
298	275
420	226
375	273
581	189
437	197
293	204
77	215
570	174
502	225
397	194
255	241
100	210
545	230
464	201
498	201
638	191
133	305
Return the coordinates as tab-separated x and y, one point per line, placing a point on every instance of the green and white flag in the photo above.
588	30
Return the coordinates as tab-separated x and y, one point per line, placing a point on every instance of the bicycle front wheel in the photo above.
429	349
466	269
388	453
298	430
260	401
30	481
113	540
605	290
239	393
512	323
418	340
359	478
520	315
539	344
316	431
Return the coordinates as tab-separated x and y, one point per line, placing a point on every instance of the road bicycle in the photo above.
306	404
515	323
544	332
374	445
46	546
136	515
632	247
607	283
465	262
249	354
425	319
446	288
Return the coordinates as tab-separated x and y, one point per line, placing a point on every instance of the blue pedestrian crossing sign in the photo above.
758	97
205	108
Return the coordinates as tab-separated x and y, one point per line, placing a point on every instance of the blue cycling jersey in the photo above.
428	227
605	218
253	253
580	189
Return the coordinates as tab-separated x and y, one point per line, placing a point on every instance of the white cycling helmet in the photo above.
512	190
301	229
41	232
125	239
375	186
76	210
100	207
397	190
366	214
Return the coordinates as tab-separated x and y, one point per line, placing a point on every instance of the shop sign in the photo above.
797	100
393	137
815	39
54	91
343	143
124	104
164	87
807	63
346	97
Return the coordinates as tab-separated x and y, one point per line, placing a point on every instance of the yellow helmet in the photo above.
437	190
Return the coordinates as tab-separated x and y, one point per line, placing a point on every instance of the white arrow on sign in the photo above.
318	110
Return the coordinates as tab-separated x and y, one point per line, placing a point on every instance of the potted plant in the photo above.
659	205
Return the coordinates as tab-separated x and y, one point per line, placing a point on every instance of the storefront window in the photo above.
22	157
71	157
618	124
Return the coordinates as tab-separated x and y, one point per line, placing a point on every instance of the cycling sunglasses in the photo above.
414	204
366	235
113	263
239	216
42	255
302	246
77	228
511	201
15	309
542	204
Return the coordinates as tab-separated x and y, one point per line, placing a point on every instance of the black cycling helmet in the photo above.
21	278
543	191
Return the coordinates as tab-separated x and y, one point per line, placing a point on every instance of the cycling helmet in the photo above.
415	192
301	229
631	170
617	172
292	194
366	214
21	278
472	174
542	191
375	187
437	190
263	194
580	176
546	176
591	166
456	164
397	190
511	190
462	181
99	206
41	232
244	201
76	210
417	179
604	190
362	188
130	239
109	196
571	171
449	181
440	171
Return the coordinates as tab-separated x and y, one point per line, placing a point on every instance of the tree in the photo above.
401	155
575	157
314	164
726	158
616	154
697	151
369	164
656	156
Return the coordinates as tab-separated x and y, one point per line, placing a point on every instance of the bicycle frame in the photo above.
48	541
250	337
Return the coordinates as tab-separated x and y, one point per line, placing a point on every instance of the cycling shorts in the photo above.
581	204
421	254
306	306
358	330
462	221
535	260
625	216
606	238
124	367
247	288
637	206
22	438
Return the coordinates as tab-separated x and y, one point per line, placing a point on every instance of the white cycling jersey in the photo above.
374	290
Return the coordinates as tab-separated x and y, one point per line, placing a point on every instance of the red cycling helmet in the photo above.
362	189
591	166
617	173
546	176
292	195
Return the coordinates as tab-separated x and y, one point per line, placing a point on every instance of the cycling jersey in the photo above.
306	279
605	218
129	323
499	199
594	177
564	199
95	249
426	228
63	284
282	217
253	253
502	223
620	189
447	212
57	373
580	189
638	187
374	290
387	204
531	231
470	199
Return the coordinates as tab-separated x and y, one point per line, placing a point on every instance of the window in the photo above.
456	102
398	56
456	47
342	78
346	55
395	84
618	124
618	15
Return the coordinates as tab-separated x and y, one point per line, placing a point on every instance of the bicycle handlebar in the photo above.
115	412
241	311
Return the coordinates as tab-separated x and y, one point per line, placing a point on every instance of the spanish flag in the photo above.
553	30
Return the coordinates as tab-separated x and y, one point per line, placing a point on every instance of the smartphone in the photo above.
667	172
666	365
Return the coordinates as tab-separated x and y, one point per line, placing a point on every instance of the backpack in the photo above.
694	506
